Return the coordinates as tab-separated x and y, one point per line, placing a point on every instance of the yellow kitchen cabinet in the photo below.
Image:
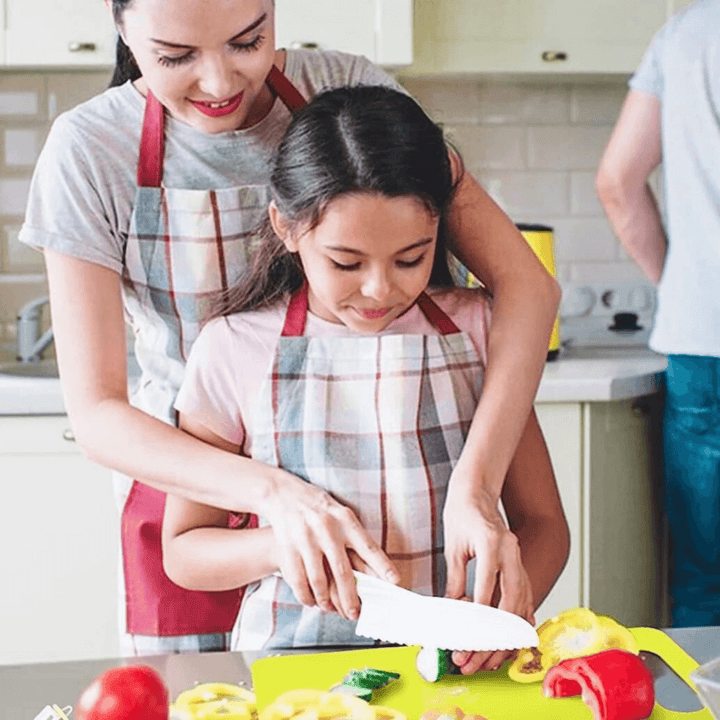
48	33
534	36
59	540
605	459
379	29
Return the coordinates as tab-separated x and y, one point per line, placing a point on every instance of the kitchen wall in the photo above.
28	104
534	145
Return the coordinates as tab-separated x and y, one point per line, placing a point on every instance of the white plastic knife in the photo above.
396	615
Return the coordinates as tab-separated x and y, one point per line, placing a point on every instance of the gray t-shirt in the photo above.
82	192
682	68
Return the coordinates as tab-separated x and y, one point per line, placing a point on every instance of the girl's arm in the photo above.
534	511
525	301
310	527
200	551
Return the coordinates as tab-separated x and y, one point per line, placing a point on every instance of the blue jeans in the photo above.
691	449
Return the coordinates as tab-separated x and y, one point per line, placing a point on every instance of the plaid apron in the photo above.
183	247
378	421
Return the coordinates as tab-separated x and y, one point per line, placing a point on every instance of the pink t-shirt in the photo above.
232	356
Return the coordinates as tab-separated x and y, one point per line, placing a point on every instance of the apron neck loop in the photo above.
436	315
285	90
296	313
152	141
297	310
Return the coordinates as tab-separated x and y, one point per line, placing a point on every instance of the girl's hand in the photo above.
475	528
314	534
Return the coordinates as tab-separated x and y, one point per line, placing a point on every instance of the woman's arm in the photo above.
525	301
311	528
633	152
534	511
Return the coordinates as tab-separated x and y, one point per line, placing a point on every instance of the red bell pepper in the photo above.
614	684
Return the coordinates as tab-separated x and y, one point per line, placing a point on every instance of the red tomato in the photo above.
134	692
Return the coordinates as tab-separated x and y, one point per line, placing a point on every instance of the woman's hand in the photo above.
475	528
315	536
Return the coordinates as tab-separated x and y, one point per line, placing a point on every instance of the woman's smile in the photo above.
218	108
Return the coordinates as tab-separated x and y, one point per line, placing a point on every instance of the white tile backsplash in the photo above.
21	147
574	147
597	104
583	198
579	239
523	104
534	145
13	195
527	196
491	148
18	103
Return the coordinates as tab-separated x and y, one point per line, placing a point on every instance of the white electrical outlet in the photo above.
610	315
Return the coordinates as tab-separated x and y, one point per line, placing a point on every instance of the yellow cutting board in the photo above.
491	694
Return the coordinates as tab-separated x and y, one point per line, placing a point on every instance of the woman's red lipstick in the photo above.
219	109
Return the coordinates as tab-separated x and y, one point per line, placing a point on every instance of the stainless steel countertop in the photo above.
26	689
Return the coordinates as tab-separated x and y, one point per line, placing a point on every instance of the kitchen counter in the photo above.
601	375
26	689
578	375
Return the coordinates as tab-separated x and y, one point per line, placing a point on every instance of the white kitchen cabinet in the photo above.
71	33
531	36
379	29
604	455
59	545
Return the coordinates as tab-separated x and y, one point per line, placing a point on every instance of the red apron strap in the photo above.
278	82
436	315
152	141
296	313
298	308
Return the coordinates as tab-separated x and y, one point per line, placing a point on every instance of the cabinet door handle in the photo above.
82	46
68	435
299	45
553	56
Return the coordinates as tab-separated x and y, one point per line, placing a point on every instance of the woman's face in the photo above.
367	260
205	60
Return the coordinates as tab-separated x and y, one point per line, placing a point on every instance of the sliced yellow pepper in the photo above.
573	633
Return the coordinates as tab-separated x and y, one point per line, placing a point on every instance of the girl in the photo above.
142	200
348	358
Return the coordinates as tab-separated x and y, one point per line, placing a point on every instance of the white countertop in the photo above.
601	375
587	375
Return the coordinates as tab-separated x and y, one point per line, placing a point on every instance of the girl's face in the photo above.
367	260
205	60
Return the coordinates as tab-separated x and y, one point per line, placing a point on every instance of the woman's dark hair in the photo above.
125	66
360	139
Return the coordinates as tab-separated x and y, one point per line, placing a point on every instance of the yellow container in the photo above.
540	238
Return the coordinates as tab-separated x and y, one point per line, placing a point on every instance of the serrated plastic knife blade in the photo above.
400	616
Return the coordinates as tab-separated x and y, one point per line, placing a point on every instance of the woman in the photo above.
203	109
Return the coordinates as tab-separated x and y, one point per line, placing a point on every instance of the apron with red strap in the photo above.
378	421
183	247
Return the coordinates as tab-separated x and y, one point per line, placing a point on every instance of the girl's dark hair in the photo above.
125	66
360	139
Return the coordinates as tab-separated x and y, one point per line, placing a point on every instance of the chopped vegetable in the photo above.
573	633
361	683
434	663
614	684
210	700
319	705
133	692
